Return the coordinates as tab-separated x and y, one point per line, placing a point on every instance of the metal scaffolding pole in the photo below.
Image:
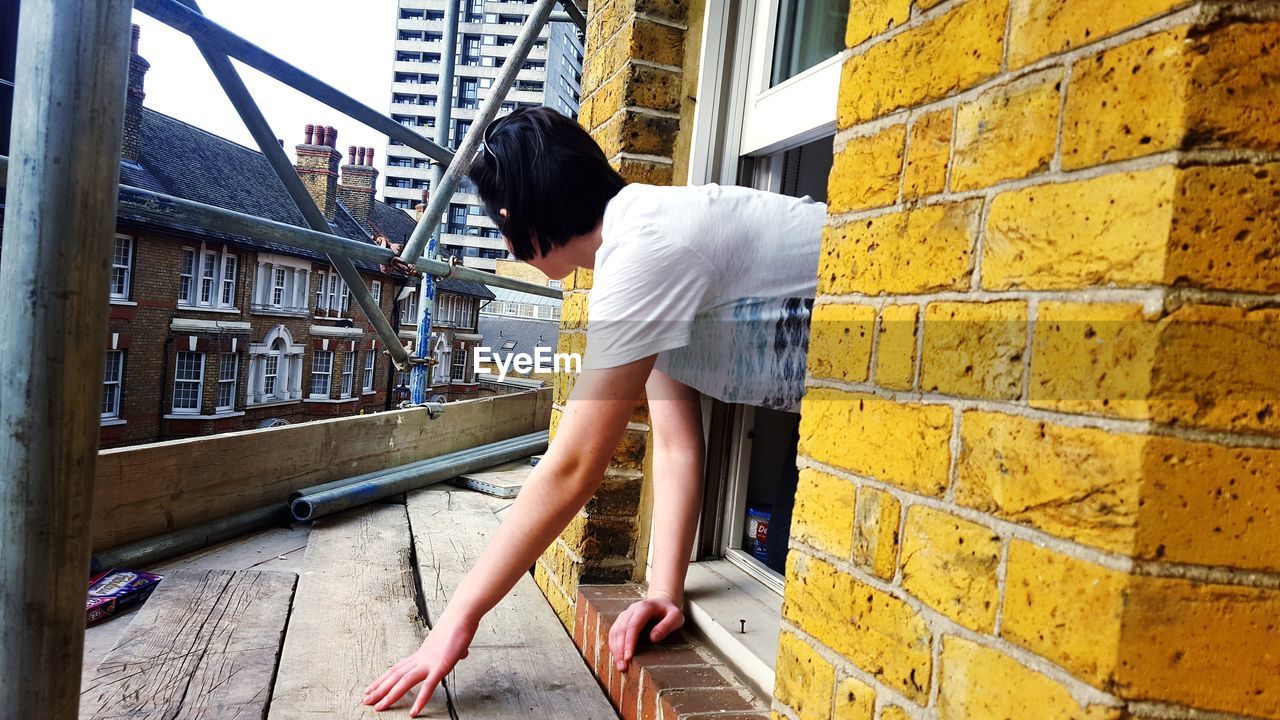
200	220
244	104
68	112
214	36
441	194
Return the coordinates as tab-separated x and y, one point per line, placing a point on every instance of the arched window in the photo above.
274	367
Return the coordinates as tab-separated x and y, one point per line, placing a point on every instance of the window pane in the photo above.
112	374
120	261
269	368
321	367
228	279
228	367
188	376
808	32
186	275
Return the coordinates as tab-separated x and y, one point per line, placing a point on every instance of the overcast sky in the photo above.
346	43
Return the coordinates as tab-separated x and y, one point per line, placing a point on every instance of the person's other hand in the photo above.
625	633
445	645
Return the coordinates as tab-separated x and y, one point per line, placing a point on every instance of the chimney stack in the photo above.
318	166
131	148
357	185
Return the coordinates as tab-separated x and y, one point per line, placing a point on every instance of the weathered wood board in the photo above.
355	614
502	481
205	645
522	663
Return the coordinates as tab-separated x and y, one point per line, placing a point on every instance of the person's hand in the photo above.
626	630
445	645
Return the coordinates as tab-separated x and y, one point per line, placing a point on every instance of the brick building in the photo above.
1038	463
213	332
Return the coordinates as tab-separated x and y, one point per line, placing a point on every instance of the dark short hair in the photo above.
551	177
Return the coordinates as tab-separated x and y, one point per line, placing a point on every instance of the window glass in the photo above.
112	378
808	32
121	261
188	381
321	370
369	359
228	369
348	372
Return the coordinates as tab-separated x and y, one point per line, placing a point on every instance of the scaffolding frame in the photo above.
62	200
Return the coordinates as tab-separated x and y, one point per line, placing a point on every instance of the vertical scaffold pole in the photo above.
59	222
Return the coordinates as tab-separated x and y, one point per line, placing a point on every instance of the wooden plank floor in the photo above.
355	614
205	645
522	663
357	609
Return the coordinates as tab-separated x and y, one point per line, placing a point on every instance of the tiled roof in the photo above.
526	332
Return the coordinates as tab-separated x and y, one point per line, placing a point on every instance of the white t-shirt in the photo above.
717	281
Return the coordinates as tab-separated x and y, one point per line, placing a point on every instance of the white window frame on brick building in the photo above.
746	131
321	367
281	286
121	269
375	289
275	369
409	308
348	374
370	365
207	279
443	356
188	382
112	385
226	397
461	371
454	311
333	297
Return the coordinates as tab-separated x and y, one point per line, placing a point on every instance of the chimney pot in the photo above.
133	42
310	128
281	141
368	158
351	154
330	136
360	154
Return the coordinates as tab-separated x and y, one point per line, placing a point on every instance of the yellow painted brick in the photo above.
1106	230
896	348
974	349
866	173
1208	504
579	279
868	18
875	541
640	86
1093	358
1227	224
928	154
840	341
634	132
645	171
1154	497
804	679
877	632
951	565
1007	132
950	53
823	514
1215	647
893	712
573	310
1046	27
559	602
925	249
556	416
1064	609
855	700
1233	92
904	444
1128	101
1083	484
1216	369
980	683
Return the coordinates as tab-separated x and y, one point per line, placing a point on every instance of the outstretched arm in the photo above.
568	475
676	413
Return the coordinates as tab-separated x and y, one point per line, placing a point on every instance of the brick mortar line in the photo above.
649	112
956	447
918	360
906	155
555	582
1076	420
1033	316
951	145
628	65
877	321
641	157
1079	690
1010	530
979	246
660	21
1169	711
1002	575
1149	298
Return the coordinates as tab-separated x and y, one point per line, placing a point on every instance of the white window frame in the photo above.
200	268
198	382
113	384
348	373
271	371
370	365
276	347
444	365
333	298
226	360
120	291
409	309
375	289
279	279
460	356
327	373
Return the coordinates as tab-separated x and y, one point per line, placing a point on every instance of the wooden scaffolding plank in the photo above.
204	645
522	663
355	614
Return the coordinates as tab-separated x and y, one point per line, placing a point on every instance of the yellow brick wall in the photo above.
1040	445
637	102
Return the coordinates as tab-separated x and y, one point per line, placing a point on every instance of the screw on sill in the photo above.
743	629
